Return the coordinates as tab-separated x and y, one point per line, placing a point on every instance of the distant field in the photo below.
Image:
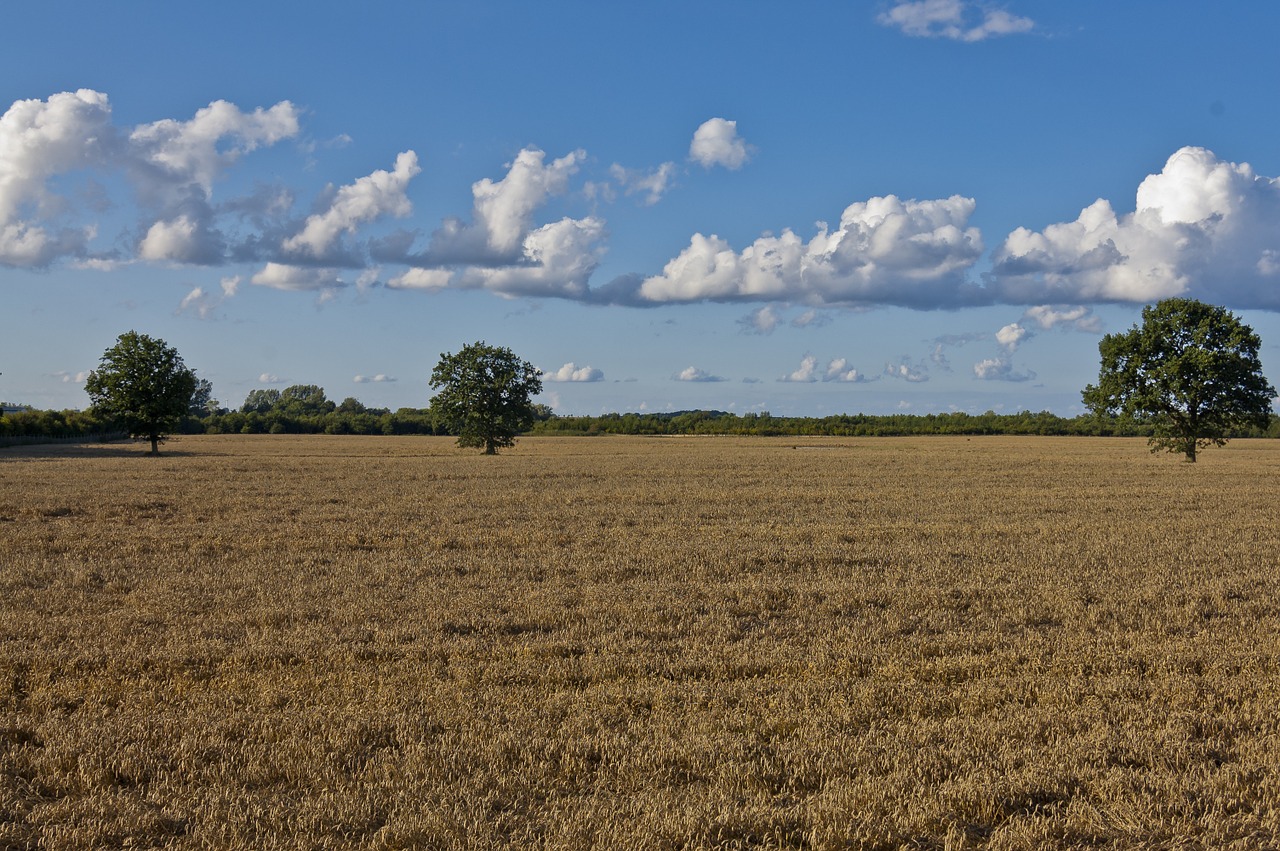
344	642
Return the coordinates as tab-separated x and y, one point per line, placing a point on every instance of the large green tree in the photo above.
142	384
485	395
1190	368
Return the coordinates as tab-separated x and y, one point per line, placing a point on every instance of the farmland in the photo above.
350	642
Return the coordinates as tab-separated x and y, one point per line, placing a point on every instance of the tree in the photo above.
485	395
142	384
1192	369
260	401
202	402
305	400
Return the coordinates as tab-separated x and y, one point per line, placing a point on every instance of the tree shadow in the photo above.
114	449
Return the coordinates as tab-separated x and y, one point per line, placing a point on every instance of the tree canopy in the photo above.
142	384
1191	368
485	395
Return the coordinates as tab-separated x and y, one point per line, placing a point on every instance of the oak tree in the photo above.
142	384
485	395
1191	368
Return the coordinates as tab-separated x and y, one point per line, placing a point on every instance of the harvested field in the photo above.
341	642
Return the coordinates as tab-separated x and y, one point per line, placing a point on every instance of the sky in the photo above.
805	208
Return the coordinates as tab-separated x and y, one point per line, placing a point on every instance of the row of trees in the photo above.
1187	378
867	425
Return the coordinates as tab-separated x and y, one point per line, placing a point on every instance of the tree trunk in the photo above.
155	444
1190	449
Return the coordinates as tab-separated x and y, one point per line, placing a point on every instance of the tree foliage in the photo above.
485	395
142	384
1191	368
260	401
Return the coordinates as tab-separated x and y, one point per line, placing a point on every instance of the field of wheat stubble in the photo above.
340	642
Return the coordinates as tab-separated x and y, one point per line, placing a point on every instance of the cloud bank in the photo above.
1201	227
885	251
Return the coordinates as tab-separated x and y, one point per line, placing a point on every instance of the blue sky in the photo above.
806	208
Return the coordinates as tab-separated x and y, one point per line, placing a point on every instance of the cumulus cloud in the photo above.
430	280
839	370
572	372
693	373
807	371
1079	317
373	379
1202	227
716	142
72	377
502	213
282	276
907	371
172	166
1000	369
270	378
886	250
178	153
39	140
760	321
1011	335
369	198
651	185
958	20
557	261
187	236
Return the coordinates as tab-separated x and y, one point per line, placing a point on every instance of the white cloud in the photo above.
1010	336
886	250
716	142
762	320
839	370
1000	369
693	373
203	304
653	184
373	379
188	238
807	371
907	371
953	19
421	279
171	164
281	276
39	140
381	193
1080	318
72	378
572	372
505	209
269	378
811	318
557	261
1202	227
183	152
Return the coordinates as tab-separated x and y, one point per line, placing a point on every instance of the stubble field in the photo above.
290	642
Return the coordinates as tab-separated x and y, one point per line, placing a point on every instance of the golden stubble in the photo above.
343	642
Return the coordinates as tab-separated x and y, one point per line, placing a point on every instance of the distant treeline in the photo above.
304	409
859	425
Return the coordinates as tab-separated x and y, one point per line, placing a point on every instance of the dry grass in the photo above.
284	642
